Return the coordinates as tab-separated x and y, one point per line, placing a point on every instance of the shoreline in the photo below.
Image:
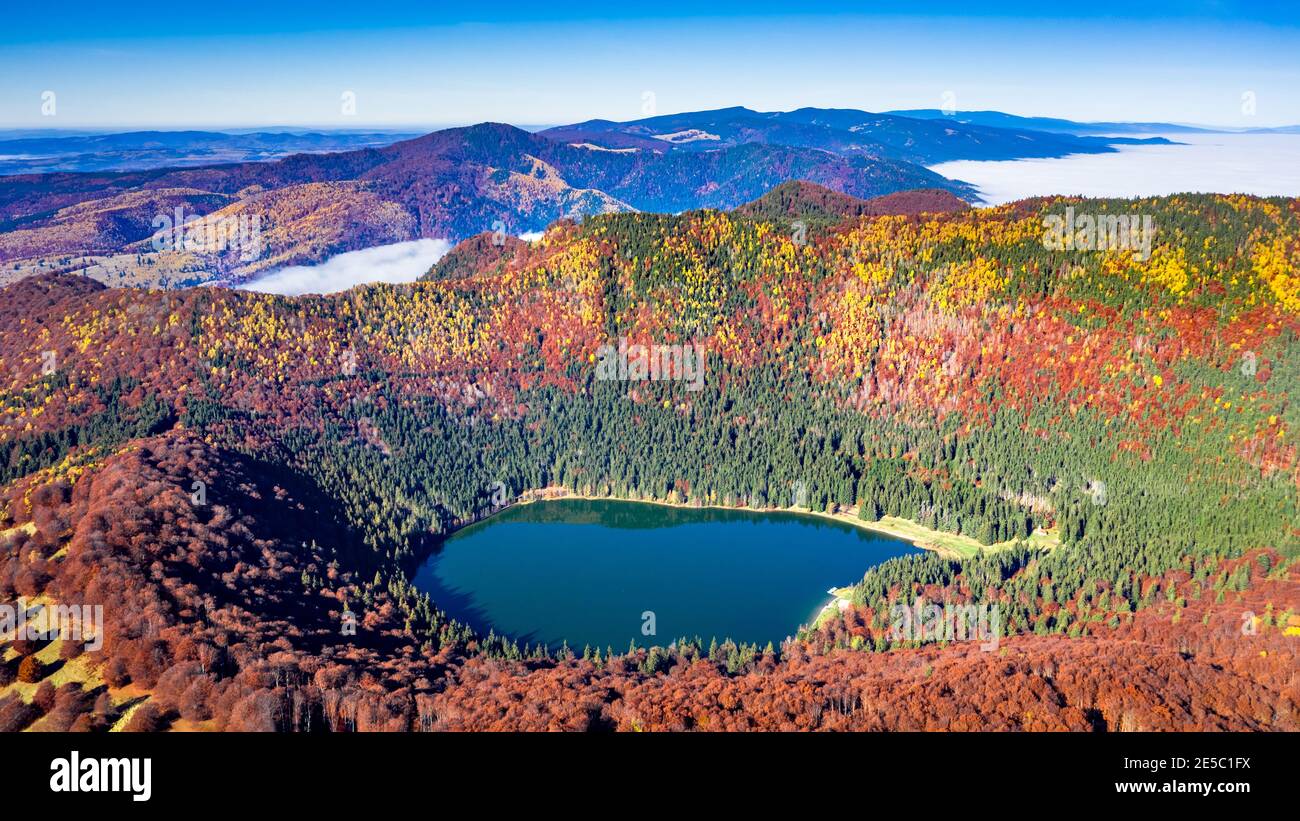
948	545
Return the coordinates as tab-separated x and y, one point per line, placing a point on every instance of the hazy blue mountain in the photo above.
997	119
48	151
848	132
1284	129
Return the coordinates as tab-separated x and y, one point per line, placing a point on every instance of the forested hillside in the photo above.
246	467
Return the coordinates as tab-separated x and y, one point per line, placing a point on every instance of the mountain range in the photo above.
142	150
998	119
455	183
844	131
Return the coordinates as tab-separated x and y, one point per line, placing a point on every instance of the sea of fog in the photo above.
1262	164
398	262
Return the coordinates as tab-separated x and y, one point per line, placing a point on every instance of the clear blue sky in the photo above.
412	64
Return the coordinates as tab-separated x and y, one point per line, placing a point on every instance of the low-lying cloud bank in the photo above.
1261	164
399	262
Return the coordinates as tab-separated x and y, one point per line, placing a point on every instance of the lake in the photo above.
589	571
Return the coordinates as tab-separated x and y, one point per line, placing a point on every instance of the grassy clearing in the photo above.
832	608
134	704
953	544
27	527
84	670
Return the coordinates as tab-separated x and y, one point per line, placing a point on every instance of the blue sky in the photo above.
239	63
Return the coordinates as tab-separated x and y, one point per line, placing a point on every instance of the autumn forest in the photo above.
234	475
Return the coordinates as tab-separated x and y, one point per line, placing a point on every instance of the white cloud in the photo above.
399	262
532	236
1260	164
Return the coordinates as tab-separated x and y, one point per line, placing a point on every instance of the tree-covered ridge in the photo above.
799	202
948	313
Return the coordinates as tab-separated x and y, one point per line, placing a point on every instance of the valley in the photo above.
251	472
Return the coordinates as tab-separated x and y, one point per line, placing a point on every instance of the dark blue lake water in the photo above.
589	572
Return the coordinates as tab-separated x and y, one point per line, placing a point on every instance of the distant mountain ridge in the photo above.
450	184
459	182
144	150
844	131
998	119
